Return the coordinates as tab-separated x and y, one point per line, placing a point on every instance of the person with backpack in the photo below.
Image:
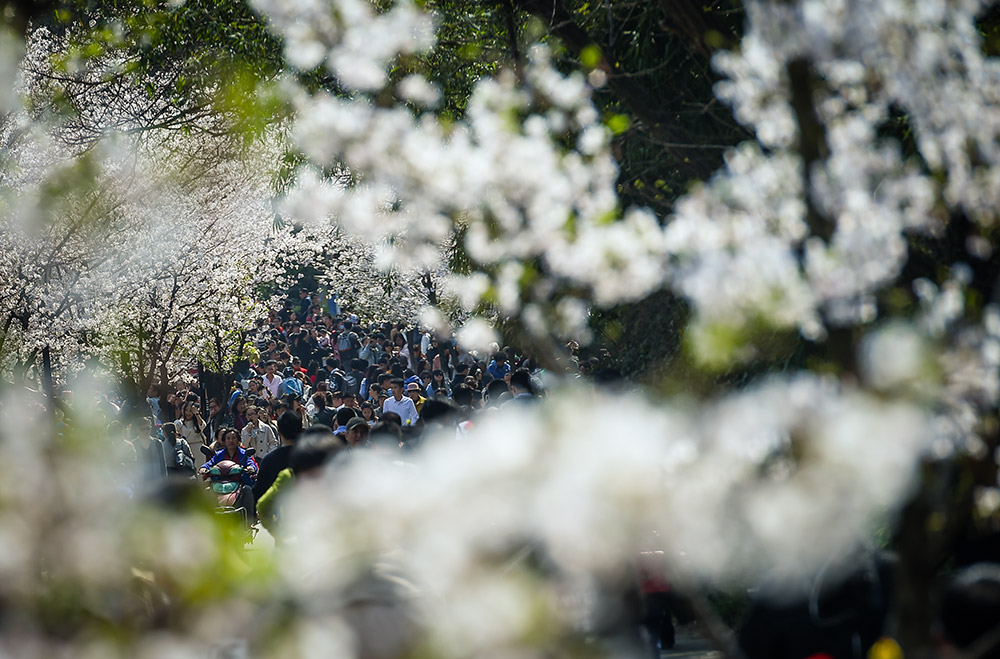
348	344
353	378
177	455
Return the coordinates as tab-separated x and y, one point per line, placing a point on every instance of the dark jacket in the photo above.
272	465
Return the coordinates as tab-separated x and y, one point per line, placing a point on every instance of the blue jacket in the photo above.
498	370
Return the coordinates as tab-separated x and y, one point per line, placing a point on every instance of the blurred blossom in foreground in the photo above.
780	478
470	546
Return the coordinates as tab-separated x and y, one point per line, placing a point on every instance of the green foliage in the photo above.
472	43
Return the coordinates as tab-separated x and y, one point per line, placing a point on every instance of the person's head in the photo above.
462	395
253	413
520	382
426	377
438	412
384	380
367	411
169	431
319	400
500	357
317	446
350	400
336	398
494	390
397	388
413	391
289	426
303	293
461	369
344	415
188	411
392	418
385	436
374	391
357	431
240	405
230	440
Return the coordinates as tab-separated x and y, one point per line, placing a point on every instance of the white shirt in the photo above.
189	433
404	407
272	385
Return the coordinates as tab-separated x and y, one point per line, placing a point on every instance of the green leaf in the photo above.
590	57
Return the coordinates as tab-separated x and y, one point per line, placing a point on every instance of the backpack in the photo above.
346	341
351	383
178	457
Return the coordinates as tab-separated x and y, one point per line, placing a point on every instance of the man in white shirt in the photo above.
400	404
271	379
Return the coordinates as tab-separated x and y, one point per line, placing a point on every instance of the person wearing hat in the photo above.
413	392
357	432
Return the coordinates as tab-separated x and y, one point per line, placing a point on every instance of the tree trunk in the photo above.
47	383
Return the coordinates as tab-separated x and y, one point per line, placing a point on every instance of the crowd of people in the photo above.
321	372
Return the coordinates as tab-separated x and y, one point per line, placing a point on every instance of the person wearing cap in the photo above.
413	391
401	405
357	432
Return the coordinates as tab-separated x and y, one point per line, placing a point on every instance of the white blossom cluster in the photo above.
868	61
524	182
187	272
349	36
348	270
